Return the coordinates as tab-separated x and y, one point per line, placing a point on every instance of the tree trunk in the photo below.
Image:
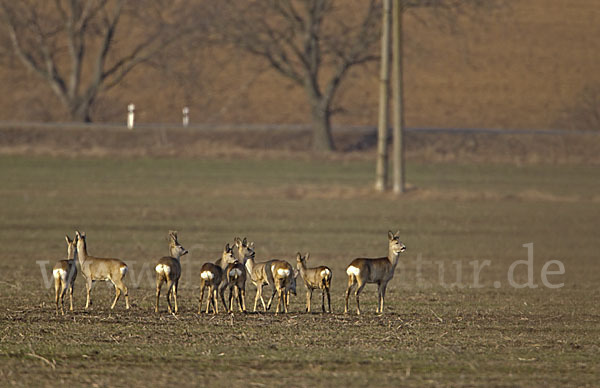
381	172
322	140
80	111
398	106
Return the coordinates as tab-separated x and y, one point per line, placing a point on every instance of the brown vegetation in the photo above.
98	141
522	67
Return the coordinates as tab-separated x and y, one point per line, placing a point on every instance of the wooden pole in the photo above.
381	174
398	112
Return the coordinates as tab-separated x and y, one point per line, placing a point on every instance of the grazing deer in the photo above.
211	276
235	274
168	269
95	268
282	277
314	278
64	273
381	270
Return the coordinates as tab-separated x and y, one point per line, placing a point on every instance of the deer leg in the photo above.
126	292
209	301
216	301
201	296
308	296
263	301
242	297
88	285
328	300
71	297
348	291
323	299
222	293
358	291
286	297
159	282
278	302
382	297
175	286
63	292
256	297
56	292
117	295
169	292
272	296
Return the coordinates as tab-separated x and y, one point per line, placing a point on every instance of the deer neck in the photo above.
250	265
393	258
302	269
82	254
74	259
174	253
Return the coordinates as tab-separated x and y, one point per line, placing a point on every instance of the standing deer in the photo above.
314	278
211	276
168	269
258	276
381	270
282	277
95	268
262	274
64	273
235	274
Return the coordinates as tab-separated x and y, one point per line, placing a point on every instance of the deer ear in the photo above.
307	256
390	235
237	241
298	256
68	239
227	247
398	233
245	241
251	245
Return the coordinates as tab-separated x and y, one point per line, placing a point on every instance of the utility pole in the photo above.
381	174
397	86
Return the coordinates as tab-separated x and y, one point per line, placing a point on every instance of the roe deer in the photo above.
235	274
168	269
258	276
211	276
381	270
314	278
261	275
95	268
282	277
64	273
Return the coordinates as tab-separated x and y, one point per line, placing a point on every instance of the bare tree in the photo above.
83	47
314	43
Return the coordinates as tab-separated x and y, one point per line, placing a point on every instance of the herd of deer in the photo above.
229	272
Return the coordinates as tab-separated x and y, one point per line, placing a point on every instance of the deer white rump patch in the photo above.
207	275
283	272
123	270
325	273
235	272
161	268
352	270
59	273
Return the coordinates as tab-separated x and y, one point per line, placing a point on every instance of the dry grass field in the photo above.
452	317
